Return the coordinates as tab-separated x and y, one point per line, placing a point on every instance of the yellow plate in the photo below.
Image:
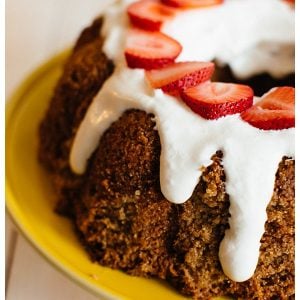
30	199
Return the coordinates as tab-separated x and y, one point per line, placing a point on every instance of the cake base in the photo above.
120	213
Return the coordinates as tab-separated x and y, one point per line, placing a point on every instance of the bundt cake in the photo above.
166	172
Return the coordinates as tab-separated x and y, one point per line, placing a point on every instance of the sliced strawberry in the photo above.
150	50
275	110
292	2
181	75
150	14
191	3
278	98
213	100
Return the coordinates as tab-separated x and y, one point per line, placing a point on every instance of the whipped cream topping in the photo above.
251	36
250	156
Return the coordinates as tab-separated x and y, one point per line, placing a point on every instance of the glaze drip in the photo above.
250	156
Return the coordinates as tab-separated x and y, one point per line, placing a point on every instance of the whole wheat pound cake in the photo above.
166	171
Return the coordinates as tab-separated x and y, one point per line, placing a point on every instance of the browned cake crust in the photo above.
84	73
120	213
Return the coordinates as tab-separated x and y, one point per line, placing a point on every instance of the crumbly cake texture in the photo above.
84	73
121	216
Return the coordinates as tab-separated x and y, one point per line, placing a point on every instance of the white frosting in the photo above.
251	36
250	160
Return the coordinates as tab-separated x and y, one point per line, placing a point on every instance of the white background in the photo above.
35	31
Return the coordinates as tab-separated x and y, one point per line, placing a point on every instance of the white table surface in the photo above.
35	31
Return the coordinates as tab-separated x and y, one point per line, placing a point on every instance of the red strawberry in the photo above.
191	3
290	1
179	76
213	100
150	50
150	14
275	110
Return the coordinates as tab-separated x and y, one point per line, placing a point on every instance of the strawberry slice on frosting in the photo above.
180	76
274	111
149	14
191	3
150	50
212	100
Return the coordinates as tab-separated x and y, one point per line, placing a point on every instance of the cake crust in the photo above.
83	75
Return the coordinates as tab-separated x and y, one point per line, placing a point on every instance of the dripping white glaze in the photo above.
250	160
